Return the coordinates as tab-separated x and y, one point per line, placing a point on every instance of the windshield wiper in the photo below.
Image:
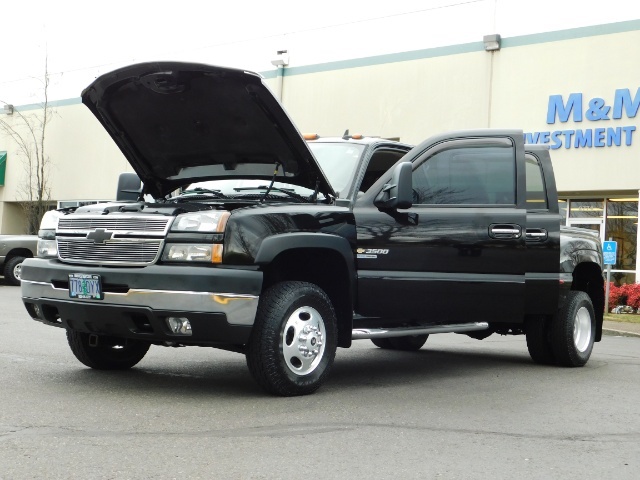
199	193
287	191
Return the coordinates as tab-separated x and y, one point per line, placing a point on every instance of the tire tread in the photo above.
262	350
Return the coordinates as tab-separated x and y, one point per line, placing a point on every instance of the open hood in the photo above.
182	122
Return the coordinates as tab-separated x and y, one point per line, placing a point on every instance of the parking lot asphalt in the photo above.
457	409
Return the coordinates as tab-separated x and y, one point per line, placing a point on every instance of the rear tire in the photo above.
410	343
13	270
294	339
538	342
382	343
108	353
573	331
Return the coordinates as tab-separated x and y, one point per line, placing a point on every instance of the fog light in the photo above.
179	325
37	311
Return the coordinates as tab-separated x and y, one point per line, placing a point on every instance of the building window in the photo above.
586	209
615	219
621	225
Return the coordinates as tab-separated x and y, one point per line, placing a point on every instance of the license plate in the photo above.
85	285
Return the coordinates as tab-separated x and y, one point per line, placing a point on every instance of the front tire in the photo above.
294	339
13	270
573	331
106	353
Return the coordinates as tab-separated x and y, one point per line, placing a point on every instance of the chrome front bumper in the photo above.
239	309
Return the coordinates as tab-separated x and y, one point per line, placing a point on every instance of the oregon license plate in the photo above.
85	285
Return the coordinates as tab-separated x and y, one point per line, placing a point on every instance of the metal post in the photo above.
606	295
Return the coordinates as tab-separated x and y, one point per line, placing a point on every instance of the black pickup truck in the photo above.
248	238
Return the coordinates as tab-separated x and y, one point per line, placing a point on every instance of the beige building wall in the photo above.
525	77
410	95
85	160
410	99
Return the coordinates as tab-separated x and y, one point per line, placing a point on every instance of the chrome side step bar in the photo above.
364	333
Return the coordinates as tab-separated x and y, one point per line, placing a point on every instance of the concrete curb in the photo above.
615	331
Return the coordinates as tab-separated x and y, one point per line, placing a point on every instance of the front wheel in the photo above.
294	339
106	353
13	270
573	331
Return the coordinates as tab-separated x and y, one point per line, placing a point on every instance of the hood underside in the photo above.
181	122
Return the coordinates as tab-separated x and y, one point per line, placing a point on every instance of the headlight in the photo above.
187	252
210	222
47	247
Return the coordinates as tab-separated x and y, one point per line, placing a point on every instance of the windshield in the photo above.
338	162
236	186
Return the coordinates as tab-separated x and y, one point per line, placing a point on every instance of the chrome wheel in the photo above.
17	270
293	340
572	331
303	340
13	270
582	330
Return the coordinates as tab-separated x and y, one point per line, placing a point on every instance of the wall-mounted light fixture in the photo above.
8	109
491	42
281	60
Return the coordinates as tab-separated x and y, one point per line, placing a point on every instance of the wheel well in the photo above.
323	267
19	252
587	277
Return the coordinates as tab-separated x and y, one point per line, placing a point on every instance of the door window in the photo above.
478	175
536	191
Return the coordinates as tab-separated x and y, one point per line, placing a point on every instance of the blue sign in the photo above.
577	108
609	250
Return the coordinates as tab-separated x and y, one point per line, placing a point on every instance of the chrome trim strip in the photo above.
78	223
240	309
122	242
368	333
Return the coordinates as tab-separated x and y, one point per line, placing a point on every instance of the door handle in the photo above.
536	234
505	230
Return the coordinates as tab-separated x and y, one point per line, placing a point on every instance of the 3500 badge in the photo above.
371	252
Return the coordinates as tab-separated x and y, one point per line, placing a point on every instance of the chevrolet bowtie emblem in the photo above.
99	235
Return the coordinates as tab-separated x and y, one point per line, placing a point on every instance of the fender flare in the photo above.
273	246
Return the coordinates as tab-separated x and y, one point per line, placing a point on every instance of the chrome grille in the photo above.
114	239
115	223
121	252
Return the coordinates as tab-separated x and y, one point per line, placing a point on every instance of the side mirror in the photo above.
129	187
399	192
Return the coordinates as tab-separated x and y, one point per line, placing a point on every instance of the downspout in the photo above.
280	62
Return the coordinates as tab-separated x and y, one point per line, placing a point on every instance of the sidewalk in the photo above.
621	328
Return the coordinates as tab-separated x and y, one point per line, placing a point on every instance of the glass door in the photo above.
596	224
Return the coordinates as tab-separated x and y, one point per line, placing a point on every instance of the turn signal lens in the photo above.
217	253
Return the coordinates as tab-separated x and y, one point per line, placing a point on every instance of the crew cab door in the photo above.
542	234
458	253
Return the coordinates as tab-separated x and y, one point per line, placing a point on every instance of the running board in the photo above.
364	333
